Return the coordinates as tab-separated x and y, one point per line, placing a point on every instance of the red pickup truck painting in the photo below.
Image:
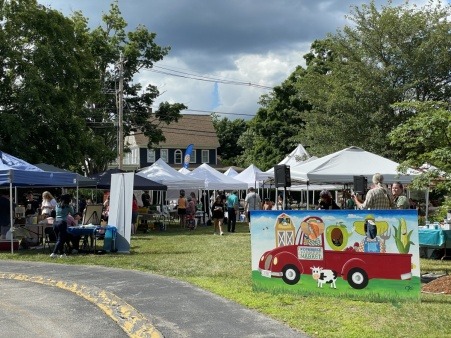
358	262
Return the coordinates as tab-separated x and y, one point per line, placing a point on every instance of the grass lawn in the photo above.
222	264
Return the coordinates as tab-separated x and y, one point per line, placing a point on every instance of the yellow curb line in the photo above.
126	316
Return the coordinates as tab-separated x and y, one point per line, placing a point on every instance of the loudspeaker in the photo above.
360	185
282	175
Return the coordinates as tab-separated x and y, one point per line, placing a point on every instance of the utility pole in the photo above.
120	109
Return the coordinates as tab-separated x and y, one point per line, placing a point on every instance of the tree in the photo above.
45	78
353	77
140	52
59	84
425	138
228	132
276	128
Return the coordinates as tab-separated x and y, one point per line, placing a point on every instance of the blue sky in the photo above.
241	41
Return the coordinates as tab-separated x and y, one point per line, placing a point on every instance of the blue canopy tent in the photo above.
81	181
139	183
15	172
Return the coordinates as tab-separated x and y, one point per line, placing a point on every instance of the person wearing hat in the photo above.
326	201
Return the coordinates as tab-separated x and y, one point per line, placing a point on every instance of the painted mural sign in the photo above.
363	254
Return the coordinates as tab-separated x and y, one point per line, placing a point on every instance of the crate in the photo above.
5	244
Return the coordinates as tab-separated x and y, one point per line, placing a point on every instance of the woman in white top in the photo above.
48	203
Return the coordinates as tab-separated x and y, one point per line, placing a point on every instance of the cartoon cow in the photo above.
324	276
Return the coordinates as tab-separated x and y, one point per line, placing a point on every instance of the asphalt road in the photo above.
28	309
60	300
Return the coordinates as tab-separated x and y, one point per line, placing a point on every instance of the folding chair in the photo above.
167	215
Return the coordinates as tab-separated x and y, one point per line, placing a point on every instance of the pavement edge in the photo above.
126	316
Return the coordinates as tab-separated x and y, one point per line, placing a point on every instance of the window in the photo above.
205	156
193	157
131	157
150	155
178	156
164	155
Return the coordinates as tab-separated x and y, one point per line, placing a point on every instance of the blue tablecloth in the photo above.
434	237
82	230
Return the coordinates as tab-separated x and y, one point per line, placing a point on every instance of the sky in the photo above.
224	54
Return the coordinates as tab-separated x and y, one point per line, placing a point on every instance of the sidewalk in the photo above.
170	307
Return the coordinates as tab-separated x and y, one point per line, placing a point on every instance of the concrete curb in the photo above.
126	316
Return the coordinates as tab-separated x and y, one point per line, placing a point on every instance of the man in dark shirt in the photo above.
145	197
31	205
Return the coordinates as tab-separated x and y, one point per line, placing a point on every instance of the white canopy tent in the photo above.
184	171
298	156
253	176
341	167
161	172
231	172
214	180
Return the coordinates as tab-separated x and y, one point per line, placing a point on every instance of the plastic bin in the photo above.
109	242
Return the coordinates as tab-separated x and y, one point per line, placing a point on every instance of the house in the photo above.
195	129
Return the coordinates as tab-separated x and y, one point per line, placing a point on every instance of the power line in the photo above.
185	75
216	112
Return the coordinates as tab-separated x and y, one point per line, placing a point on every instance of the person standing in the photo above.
190	213
181	208
377	197
232	211
134	214
267	204
400	200
31	204
252	201
62	210
48	204
347	201
217	211
145	197
193	197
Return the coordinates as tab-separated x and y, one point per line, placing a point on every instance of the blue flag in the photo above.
187	158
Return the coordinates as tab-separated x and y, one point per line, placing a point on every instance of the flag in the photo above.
187	158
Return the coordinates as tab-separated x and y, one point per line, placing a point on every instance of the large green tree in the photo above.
425	138
276	128
46	74
389	55
60	85
228	132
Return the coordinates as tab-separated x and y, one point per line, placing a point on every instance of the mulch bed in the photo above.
440	285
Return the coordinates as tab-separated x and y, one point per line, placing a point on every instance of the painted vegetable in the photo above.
402	238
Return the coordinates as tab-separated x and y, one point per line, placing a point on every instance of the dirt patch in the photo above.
439	285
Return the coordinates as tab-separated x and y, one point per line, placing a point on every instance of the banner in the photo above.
187	157
361	254
121	196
